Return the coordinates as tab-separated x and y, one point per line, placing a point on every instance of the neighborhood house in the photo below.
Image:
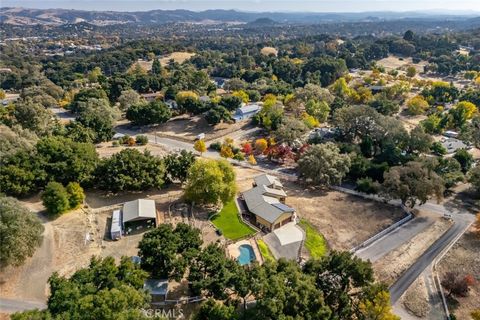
266	201
246	111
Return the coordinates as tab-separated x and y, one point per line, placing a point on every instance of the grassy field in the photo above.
265	251
228	221
315	242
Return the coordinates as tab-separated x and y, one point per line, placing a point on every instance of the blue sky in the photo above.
452	6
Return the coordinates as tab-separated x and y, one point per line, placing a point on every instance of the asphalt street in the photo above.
394	239
412	273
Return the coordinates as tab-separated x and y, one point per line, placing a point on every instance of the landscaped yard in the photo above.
314	241
265	251
228	221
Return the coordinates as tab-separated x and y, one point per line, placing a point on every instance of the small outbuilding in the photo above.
158	289
139	214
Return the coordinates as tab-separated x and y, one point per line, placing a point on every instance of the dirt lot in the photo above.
415	299
106	149
344	220
267	51
71	239
392	265
187	128
393	63
178	56
464	257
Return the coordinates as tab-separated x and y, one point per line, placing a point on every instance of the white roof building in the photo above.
137	210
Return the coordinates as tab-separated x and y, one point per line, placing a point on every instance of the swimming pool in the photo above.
246	254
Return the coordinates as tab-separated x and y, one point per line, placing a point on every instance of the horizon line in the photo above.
434	11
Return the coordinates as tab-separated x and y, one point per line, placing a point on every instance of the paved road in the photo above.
177	145
169	144
11	305
409	276
394	239
462	218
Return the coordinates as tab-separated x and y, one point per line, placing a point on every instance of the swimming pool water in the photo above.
247	255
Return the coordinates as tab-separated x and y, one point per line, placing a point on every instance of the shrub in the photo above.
141	140
76	196
124	139
55	198
438	149
239	156
368	186
217	146
131	141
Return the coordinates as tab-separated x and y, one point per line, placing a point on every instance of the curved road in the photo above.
411	274
462	218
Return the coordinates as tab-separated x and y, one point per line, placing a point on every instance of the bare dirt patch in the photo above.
345	220
464	258
63	246
187	128
106	149
410	122
395	63
415	299
73	238
391	266
267	51
177	56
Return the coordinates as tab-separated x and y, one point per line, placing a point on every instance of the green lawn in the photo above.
315	242
265	251
229	222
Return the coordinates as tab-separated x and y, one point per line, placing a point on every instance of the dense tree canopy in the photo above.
102	291
130	170
155	112
411	183
323	165
20	232
166	251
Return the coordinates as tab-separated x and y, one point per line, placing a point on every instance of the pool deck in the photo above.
234	251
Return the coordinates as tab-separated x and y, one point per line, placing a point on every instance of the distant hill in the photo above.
262	22
57	17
